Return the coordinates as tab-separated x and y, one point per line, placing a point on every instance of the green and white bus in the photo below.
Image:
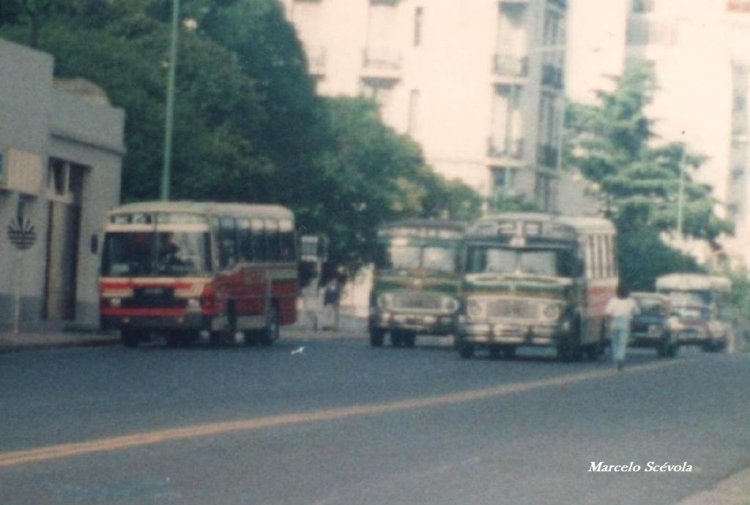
415	285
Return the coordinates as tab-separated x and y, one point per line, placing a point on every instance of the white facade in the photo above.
61	148
478	84
700	52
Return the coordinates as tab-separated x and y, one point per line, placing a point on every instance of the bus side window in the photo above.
258	240
227	242
590	258
272	239
287	241
244	240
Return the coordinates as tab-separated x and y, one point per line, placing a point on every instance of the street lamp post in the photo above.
166	174
681	195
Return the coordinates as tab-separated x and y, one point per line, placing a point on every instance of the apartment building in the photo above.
478	84
61	148
700	54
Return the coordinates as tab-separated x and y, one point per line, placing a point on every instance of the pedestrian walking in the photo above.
331	300
620	311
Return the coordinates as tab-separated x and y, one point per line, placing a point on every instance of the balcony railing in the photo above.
508	65
552	76
504	148
381	62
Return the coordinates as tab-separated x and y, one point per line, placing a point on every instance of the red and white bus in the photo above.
536	280
182	269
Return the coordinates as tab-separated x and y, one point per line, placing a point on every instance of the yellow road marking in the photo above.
54	452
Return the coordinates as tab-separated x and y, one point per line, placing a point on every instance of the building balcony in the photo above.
546	155
509	65
552	76
504	150
381	63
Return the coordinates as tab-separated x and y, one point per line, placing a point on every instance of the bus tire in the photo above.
494	353
409	338
396	338
271	331
174	339
130	338
466	351
509	352
376	337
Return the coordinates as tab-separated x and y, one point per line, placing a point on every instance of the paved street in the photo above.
316	421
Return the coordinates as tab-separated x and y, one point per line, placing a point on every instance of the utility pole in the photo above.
166	174
681	195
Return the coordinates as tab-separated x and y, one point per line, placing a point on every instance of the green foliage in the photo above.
612	145
248	124
515	203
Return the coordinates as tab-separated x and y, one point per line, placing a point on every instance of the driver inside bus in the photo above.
169	251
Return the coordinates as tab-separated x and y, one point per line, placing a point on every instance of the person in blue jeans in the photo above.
620	311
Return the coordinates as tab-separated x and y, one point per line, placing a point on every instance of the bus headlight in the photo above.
385	301
476	309
193	304
551	312
450	304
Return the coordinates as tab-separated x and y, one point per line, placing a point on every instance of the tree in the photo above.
612	144
248	124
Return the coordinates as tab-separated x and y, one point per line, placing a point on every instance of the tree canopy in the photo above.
614	146
248	124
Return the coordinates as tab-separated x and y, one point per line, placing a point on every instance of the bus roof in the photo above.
216	208
693	282
441	224
509	223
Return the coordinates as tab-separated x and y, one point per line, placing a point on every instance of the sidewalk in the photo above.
350	328
734	490
11	342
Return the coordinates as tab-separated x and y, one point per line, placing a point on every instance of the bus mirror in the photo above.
94	243
313	248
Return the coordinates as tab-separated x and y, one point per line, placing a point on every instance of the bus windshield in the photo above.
164	253
414	257
542	262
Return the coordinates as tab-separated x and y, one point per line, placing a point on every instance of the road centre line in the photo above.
54	452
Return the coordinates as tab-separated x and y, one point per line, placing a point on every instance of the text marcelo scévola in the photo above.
649	467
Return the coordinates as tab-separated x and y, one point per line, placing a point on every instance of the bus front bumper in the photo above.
431	324
509	334
185	321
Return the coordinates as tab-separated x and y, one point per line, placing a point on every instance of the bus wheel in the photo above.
494	352
173	339
396	338
466	351
509	352
130	337
251	338
409	339
271	331
376	337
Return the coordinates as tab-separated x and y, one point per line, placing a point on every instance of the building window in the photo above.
503	181
642	6
413	112
418	15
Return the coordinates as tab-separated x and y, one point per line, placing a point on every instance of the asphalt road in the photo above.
340	423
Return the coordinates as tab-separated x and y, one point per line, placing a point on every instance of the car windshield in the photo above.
542	262
174	254
414	257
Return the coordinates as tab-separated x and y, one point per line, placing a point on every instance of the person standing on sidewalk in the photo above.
620	311
331	300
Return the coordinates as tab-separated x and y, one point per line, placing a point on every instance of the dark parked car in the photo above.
651	328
